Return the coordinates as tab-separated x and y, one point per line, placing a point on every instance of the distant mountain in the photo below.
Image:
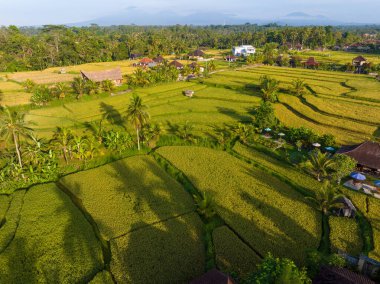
133	15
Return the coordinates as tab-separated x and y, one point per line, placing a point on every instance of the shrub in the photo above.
166	252
232	255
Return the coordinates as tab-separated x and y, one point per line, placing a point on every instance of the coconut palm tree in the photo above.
269	88
205	205
92	87
108	86
79	86
326	198
62	139
13	125
298	87
137	115
60	90
319	163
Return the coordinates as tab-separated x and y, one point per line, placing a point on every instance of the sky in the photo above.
39	12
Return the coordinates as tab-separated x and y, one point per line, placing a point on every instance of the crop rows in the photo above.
345	235
126	194
265	212
231	254
53	243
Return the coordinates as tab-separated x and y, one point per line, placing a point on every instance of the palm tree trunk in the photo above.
138	138
15	140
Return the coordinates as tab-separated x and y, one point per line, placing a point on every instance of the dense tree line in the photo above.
39	48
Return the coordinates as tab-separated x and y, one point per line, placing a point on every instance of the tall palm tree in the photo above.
137	115
108	86
62	139
92	87
60	89
326	198
269	88
298	87
319	163
79	86
13	125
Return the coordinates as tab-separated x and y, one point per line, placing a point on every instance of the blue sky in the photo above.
36	12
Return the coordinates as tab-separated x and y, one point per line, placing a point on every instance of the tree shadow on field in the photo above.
112	115
166	247
234	114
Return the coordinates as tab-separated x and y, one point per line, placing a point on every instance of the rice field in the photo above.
267	213
345	235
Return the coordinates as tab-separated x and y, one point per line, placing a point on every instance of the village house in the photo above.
197	54
113	75
231	58
144	62
243	50
176	64
359	63
159	59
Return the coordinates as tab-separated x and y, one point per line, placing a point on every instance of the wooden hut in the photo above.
231	58
311	63
366	154
359	63
159	59
176	64
197	54
113	75
347	209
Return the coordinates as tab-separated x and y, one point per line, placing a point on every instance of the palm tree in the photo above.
29	85
13	125
60	90
62	139
326	198
205	205
79	86
35	150
319	163
269	88
92	87
137	115
108	86
298	87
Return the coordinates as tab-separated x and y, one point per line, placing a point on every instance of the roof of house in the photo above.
146	60
366	154
347	202
176	64
330	275
231	57
212	277
197	52
158	59
193	65
359	58
99	76
311	61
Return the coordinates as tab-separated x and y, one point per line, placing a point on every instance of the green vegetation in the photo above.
345	235
52	243
103	277
168	252
127	193
268	214
232	255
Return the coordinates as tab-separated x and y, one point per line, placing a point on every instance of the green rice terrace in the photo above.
199	183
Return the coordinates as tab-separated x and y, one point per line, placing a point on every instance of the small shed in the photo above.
113	75
189	93
231	58
145	61
347	209
311	63
176	64
359	63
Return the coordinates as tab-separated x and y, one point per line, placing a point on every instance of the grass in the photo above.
103	277
126	193
255	204
165	252
232	255
4	206
53	243
345	235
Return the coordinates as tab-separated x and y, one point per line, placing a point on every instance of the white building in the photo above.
244	50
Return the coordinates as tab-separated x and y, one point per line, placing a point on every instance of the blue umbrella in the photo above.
330	149
268	129
377	183
358	176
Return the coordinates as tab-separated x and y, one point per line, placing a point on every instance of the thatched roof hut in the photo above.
159	59
359	61
113	75
176	64
197	53
366	154
311	62
347	209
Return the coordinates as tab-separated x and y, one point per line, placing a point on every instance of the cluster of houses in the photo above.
371	45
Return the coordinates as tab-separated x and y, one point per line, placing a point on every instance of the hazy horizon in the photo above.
40	12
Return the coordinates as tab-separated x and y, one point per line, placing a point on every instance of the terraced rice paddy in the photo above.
267	213
345	235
